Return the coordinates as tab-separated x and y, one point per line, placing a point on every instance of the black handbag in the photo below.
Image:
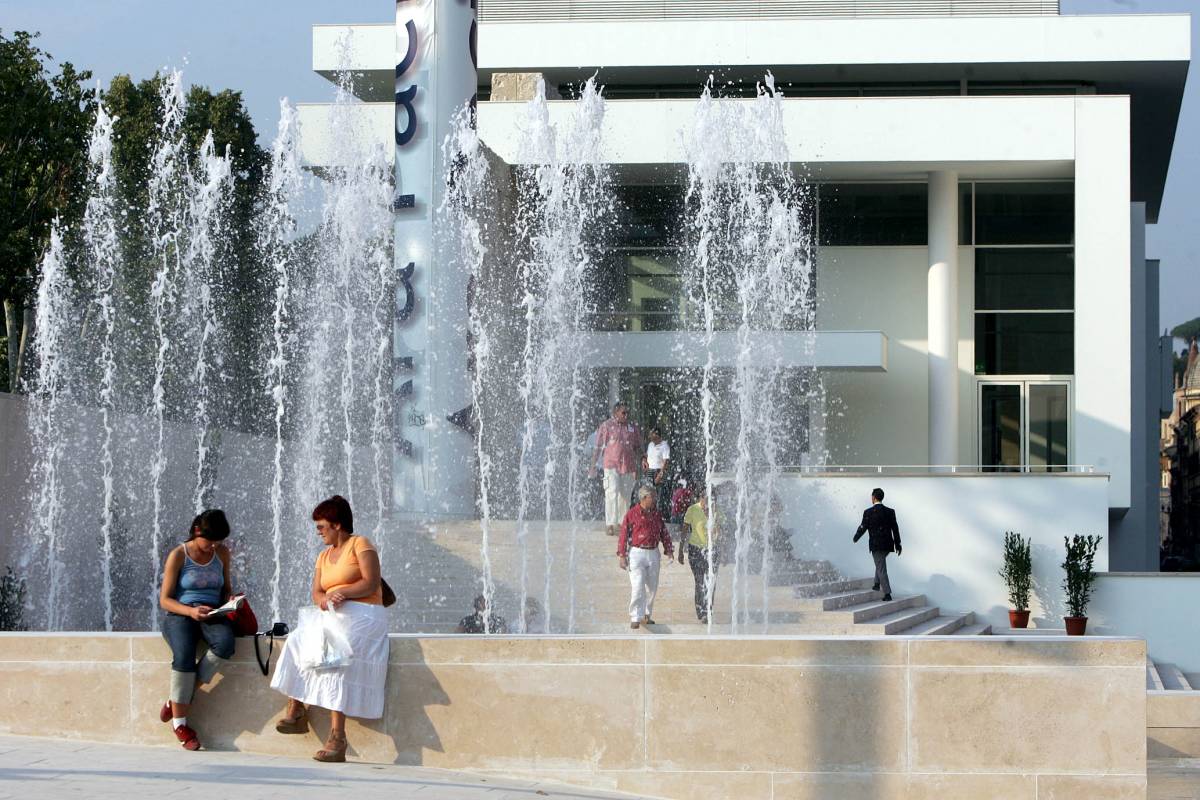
279	629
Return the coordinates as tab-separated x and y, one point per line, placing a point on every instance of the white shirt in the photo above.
657	454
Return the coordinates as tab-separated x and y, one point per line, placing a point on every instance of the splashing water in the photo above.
53	310
278	226
100	238
748	240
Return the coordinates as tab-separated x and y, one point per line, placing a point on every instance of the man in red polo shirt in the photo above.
642	531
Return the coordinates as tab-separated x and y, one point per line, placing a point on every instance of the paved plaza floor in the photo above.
47	769
50	768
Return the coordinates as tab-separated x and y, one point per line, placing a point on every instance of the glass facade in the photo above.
1024	213
1025	279
873	214
1024	344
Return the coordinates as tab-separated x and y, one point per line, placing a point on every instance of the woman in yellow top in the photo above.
346	582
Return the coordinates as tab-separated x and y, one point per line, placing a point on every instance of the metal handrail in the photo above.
1077	469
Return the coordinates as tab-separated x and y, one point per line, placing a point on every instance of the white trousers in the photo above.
643	581
618	486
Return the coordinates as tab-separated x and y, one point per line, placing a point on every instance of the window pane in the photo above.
966	208
1024	279
648	215
1024	213
1000	426
1048	426
874	213
1024	344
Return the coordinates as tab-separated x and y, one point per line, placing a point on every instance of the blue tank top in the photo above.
201	584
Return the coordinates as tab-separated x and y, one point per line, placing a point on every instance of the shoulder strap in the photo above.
264	664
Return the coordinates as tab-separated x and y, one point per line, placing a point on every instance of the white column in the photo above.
435	78
943	317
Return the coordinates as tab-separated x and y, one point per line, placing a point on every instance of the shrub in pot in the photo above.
1018	577
1078	580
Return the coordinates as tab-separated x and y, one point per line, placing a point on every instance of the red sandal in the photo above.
164	713
187	738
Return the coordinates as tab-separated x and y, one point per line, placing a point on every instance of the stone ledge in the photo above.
788	717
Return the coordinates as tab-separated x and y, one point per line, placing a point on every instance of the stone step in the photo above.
1172	678
1153	679
833	602
898	621
824	588
974	630
942	625
879	608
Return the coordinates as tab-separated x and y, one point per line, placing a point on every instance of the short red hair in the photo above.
335	511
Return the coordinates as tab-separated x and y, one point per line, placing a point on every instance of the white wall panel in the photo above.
952	528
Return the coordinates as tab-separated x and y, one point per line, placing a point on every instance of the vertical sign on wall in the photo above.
435	77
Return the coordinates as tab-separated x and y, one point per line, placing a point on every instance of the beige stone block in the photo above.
1173	742
777	652
657	783
65	700
1008	720
776	718
238	711
83	647
1173	709
515	650
519	86
1022	651
883	786
1092	787
153	648
517	716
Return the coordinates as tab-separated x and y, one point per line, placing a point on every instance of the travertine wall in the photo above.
1173	724
737	718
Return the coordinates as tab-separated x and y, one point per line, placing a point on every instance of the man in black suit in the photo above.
884	537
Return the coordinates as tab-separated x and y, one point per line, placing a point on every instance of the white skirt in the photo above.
356	690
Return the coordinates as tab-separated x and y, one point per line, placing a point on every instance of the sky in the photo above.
264	48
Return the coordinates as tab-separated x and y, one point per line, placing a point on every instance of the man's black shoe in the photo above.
887	597
875	587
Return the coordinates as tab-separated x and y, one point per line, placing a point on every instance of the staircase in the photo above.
1172	713
851	606
1161	677
444	564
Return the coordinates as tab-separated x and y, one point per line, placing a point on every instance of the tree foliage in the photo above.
1017	571
1187	330
137	107
1079	574
43	160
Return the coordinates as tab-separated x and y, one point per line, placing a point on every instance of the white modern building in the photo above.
985	174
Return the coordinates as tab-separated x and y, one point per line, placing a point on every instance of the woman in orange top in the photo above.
346	582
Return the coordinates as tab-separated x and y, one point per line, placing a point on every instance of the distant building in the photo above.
1181	470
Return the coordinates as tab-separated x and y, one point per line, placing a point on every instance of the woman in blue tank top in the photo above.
195	581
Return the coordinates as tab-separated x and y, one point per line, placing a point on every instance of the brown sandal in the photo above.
334	751
297	724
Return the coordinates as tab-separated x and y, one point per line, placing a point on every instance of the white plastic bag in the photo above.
324	639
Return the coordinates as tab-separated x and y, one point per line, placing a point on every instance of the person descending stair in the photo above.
883	538
642	531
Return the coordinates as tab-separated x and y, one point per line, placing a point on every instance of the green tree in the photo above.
1187	330
43	160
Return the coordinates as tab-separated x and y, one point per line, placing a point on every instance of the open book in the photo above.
232	605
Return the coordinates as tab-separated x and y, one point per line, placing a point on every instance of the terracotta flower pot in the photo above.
1075	625
1018	619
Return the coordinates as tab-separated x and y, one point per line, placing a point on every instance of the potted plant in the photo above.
1081	555
1018	577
